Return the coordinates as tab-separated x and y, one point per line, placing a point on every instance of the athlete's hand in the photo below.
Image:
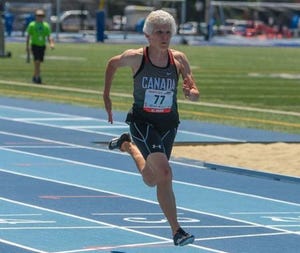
108	108
194	94
189	89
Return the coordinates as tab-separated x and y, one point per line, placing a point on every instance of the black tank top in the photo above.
155	93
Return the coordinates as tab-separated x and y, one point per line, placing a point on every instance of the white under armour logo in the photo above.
156	146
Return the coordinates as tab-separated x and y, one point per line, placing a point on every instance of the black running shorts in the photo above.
38	52
150	140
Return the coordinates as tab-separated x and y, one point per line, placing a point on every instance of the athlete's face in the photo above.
161	36
39	18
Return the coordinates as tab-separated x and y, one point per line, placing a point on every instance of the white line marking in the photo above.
20	214
211	136
53	119
79	127
21	246
125	214
255	213
57	228
35	111
40	147
288	226
242	236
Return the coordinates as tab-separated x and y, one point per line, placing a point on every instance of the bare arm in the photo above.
130	58
51	42
189	86
111	68
27	43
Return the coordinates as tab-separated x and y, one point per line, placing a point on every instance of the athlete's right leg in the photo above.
145	170
148	151
149	145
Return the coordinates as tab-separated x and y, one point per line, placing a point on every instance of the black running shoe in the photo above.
37	80
182	238
117	142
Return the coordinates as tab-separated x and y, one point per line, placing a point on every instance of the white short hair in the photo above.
159	17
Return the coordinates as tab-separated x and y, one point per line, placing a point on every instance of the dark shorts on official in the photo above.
150	140
38	52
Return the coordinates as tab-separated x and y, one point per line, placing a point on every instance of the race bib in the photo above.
158	101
